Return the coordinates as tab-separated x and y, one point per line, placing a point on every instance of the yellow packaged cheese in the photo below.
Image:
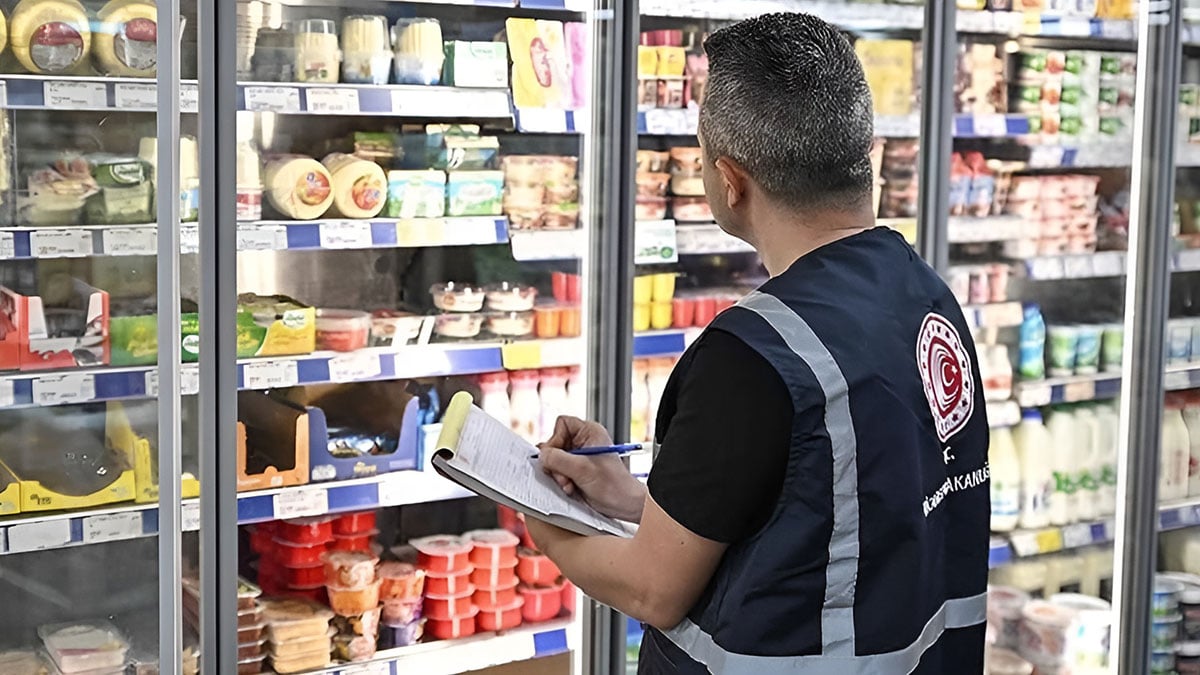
298	187
126	41
359	186
50	36
539	56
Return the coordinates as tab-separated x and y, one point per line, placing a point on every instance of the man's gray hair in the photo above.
786	98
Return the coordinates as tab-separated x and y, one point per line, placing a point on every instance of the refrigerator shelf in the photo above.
1027	543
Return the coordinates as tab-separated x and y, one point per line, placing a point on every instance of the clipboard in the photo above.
486	457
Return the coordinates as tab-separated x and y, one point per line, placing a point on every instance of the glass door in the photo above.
414	192
89	565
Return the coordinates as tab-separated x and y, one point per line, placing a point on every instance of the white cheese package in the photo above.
416	194
51	37
367	56
359	186
298	187
84	646
474	193
126	41
476	64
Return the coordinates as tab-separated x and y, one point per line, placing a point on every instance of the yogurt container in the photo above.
1088	637
1062	345
1166	597
1004	611
1043	635
1164	632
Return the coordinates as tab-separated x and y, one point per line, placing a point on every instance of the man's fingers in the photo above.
562	463
565	428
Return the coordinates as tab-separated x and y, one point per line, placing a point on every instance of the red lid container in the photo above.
451	584
306	531
437	607
490	599
297	555
402	612
501	618
354	542
495	548
494	577
541	604
535	569
442	554
354	523
313	575
314	593
456	627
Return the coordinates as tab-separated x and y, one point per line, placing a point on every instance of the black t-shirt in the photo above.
724	430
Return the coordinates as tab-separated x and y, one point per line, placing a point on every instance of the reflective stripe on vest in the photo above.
841	576
957	613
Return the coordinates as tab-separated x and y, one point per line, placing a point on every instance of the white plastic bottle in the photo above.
576	393
1037	476
1176	453
1087	488
1006	481
1061	425
494	387
526	405
1106	416
1191	417
553	395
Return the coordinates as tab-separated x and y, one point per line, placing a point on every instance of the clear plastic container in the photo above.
419	55
317	54
342	330
458	326
510	324
353	601
366	53
90	645
457	297
290	619
510	297
349	569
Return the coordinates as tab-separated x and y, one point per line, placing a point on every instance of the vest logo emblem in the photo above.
946	375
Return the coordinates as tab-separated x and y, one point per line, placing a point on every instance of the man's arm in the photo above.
655	577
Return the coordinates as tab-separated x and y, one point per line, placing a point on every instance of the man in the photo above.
819	504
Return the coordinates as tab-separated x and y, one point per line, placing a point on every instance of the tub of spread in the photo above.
342	330
457	297
1043	634
349	569
442	554
458	326
501	618
510	297
510	324
1004	607
401	581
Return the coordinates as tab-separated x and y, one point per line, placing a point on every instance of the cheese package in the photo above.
50	37
539	56
125	193
476	64
359	186
298	187
126	42
416	194
474	193
367	56
3	32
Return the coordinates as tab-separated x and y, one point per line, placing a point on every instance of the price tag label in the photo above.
273	99
380	668
189	97
189	380
346	234
75	95
354	367
1112	264
270	374
8	397
472	231
524	355
300	503
189	516
1046	157
1078	267
1034	395
8	245
152	383
1075	26
1049	541
1049	268
3	94
63	389
71	243
654	243
991	126
130	241
660	122
542	121
112	527
1080	391
189	239
1077	536
261	238
333	101
39	536
137	96
548	245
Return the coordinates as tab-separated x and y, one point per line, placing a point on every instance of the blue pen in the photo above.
590	451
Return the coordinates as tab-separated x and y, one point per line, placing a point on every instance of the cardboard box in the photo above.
10	493
120	435
279	432
134	339
38	334
323	466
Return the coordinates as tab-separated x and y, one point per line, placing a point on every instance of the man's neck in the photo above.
785	238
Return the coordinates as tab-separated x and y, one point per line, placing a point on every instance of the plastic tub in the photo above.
1189	607
366	623
568	597
510	297
457	297
662	314
541	604
572	321
294	555
401	581
261	540
249	617
494	577
501	618
90	645
360	542
1006	662
492	548
706	310
1166	597
439	607
451	584
342	330
683	312
455	627
313	575
1044	628
547	321
289	619
1089	638
354	523
349	569
398	612
352	601
535	569
301	663
1004	607
458	326
401	635
490	599
443	554
566	287
1164	632
290	649
306	531
510	324
641	317
248	634
354	647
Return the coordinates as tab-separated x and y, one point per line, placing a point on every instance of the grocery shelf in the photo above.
684	122
971	230
851	16
77	241
550	121
390	100
993	315
1028	543
1096	265
1003	414
38	92
999	125
1092	156
1096	387
707	239
36	532
535	245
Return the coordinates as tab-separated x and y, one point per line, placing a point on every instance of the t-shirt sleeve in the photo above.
723	458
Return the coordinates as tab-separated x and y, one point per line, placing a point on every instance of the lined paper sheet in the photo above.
488	451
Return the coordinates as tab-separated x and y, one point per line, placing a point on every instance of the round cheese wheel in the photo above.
126	41
50	36
359	186
298	187
3	32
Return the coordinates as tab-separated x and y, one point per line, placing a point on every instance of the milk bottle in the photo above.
1087	457
1191	417
1176	453
1006	481
1107	428
1063	440
1037	477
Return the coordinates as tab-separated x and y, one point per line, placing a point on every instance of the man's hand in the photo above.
602	480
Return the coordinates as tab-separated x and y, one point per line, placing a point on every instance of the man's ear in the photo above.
734	181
